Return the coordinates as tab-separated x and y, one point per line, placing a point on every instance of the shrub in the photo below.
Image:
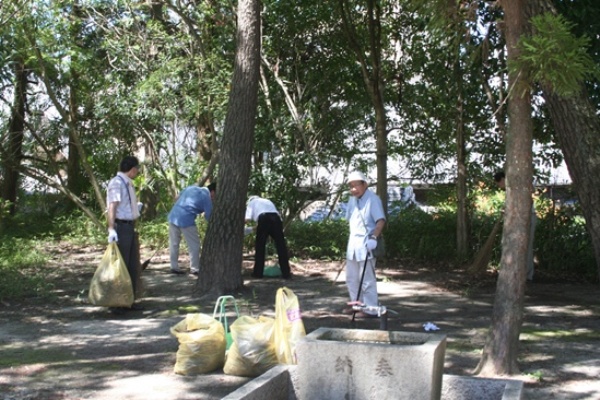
414	233
562	244
324	240
19	268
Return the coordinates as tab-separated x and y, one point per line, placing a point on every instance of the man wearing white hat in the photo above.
366	220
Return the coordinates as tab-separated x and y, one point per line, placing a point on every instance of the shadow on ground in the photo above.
66	349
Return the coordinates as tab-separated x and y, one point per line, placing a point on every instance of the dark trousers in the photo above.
269	224
129	246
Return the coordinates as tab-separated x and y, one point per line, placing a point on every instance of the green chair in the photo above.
221	308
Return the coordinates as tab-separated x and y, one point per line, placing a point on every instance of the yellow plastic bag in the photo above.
201	344
111	284
252	352
288	327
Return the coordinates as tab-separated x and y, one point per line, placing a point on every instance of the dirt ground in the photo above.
67	349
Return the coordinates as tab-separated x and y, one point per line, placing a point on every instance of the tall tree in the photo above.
14	74
221	260
500	352
12	152
574	117
312	111
75	178
462	207
577	125
368	49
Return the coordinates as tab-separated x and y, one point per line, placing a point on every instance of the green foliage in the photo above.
41	208
325	240
416	234
554	56
585	16
77	228
155	233
562	244
413	233
19	268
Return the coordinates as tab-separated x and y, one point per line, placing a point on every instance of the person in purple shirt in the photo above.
192	201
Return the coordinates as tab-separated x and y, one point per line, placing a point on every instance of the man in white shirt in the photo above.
269	223
366	220
122	212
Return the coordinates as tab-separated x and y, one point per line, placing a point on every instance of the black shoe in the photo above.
137	307
177	272
287	277
195	273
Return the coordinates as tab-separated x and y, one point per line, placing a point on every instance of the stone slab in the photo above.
280	383
339	364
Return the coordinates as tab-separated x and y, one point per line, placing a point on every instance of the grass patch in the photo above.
19	264
580	335
536	375
28	356
188	309
463	347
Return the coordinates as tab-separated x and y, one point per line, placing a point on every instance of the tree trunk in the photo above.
501	349
577	127
205	137
220	266
75	178
12	154
76	182
149	195
64	114
462	206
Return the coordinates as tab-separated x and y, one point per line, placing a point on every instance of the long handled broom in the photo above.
362	278
483	256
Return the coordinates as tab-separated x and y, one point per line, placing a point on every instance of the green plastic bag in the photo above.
272	272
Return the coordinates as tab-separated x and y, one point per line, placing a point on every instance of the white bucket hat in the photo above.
357	176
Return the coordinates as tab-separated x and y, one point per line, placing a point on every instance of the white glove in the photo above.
371	244
247	230
140	207
112	236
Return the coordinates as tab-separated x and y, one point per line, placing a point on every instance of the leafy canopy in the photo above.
554	57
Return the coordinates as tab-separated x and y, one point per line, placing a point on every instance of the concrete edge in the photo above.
268	385
513	390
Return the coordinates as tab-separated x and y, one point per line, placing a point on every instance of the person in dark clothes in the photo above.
268	223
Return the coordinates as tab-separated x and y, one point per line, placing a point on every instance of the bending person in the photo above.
268	223
192	201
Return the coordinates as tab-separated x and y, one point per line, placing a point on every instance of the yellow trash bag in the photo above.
288	327
111	284
252	352
201	344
